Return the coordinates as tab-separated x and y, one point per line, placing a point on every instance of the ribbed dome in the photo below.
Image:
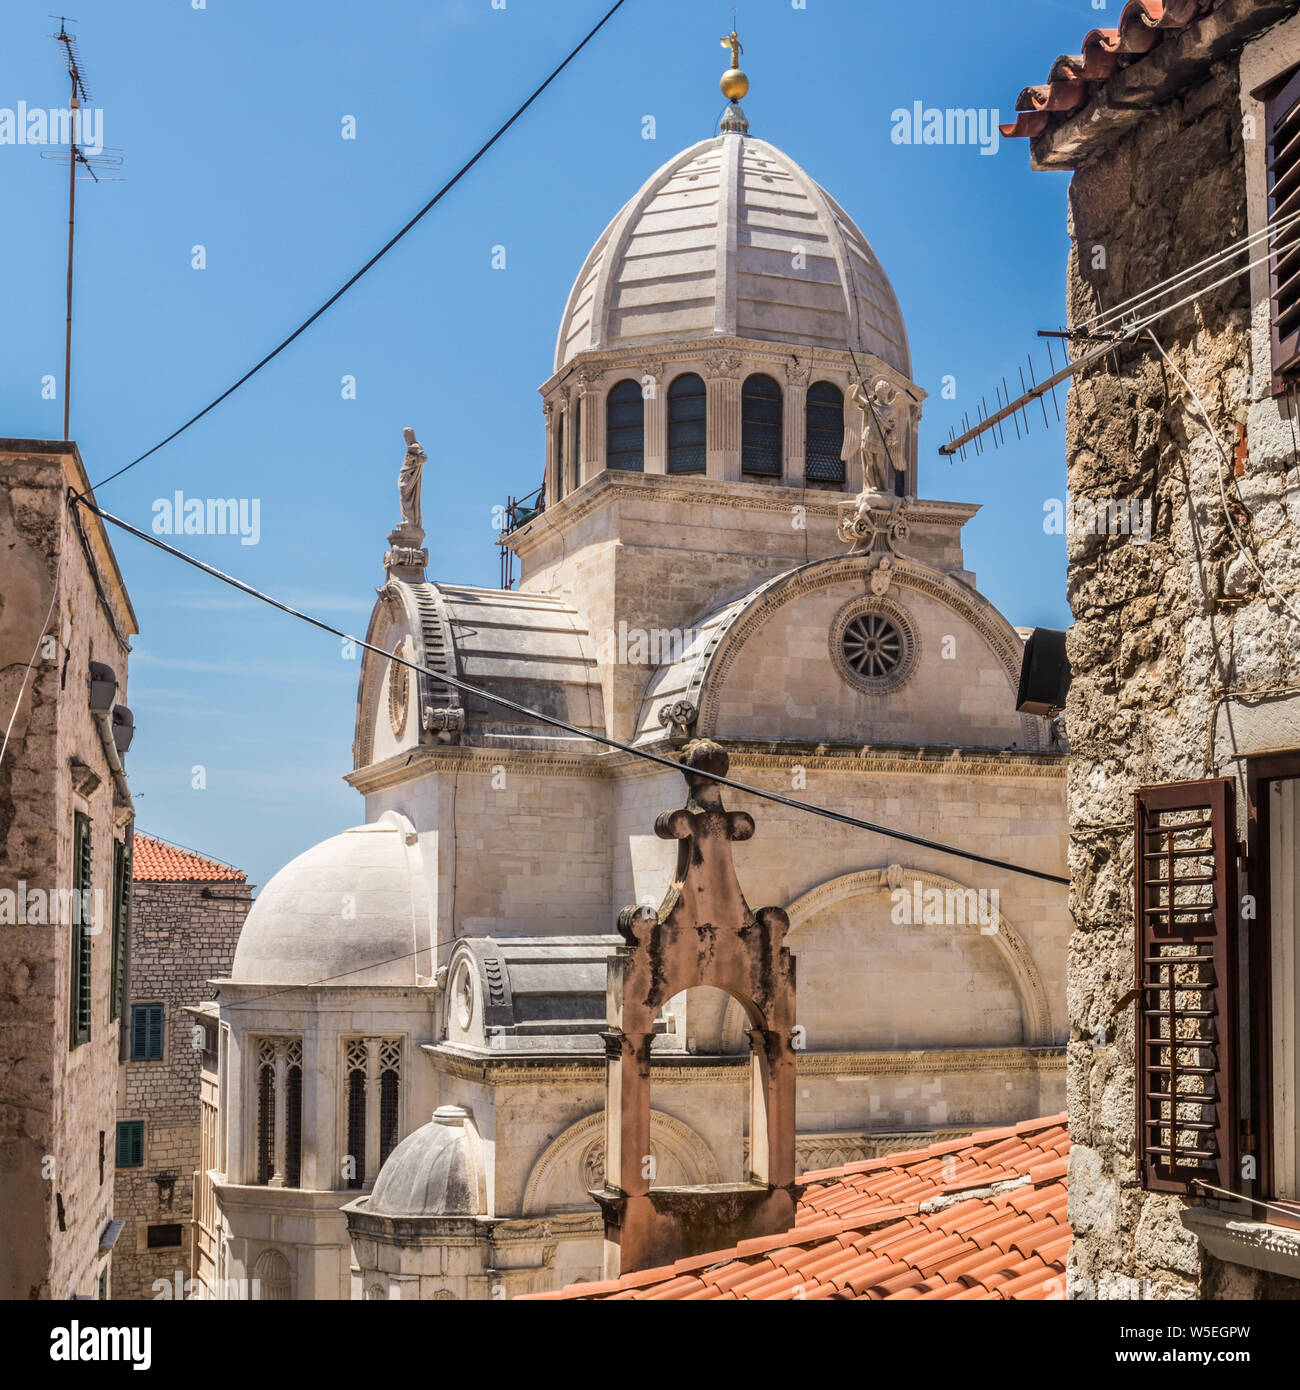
710	246
351	910
431	1172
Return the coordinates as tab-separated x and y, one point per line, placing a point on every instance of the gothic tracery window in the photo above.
265	1110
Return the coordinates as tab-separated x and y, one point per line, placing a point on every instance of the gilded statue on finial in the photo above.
734	83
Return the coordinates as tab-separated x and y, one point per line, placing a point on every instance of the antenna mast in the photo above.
75	156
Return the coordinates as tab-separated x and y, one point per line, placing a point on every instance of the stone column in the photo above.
281	1072
591	445
548	467
372	1113
722	380
654	394
793	418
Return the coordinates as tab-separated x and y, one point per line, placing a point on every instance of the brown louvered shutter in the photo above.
1186	897
1282	119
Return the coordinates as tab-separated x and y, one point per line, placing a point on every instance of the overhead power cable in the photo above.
383	250
500	700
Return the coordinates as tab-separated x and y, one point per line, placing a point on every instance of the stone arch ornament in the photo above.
1010	946
704	933
584	1142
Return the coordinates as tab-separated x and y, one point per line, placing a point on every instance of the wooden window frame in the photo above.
81	978
1279	96
1216	950
1262	770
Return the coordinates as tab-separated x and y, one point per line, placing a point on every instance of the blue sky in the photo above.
230	120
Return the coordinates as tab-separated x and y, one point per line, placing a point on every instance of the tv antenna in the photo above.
77	159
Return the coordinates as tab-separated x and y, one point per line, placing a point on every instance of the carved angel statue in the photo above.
408	480
861	410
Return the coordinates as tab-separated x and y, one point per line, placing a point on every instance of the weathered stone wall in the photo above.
179	941
1165	632
57	1117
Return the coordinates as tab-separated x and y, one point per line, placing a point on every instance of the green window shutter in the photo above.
147	1032
130	1143
80	981
121	926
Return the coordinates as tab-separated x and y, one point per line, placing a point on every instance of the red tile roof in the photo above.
155	861
1142	25
976	1218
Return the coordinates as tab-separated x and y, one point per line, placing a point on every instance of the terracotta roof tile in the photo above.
1073	79
155	861
860	1234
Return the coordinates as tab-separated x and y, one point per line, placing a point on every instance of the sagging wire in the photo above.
1218	474
383	250
456	683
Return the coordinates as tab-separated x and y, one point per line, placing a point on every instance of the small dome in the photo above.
731	237
351	910
431	1172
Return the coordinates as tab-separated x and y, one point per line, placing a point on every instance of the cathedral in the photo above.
409	1077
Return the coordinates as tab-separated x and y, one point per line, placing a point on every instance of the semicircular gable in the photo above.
772	672
575	1162
1006	941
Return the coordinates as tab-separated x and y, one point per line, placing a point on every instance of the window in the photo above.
625	428
1282	123
146	1032
1273	821
687	424
356	1112
1186	897
760	427
390	1058
163	1237
266	1111
121	926
130	1143
293	1122
575	444
873	646
80	928
824	434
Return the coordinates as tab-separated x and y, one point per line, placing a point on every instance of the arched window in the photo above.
625	428
293	1120
273	1276
575	444
687	419
824	434
390	1060
760	427
266	1113
355	1067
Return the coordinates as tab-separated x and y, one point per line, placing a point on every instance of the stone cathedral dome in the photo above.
732	237
350	910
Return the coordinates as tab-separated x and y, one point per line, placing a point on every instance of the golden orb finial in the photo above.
734	83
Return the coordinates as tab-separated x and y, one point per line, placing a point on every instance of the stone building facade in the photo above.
186	914
65	830
1185	658
730	547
